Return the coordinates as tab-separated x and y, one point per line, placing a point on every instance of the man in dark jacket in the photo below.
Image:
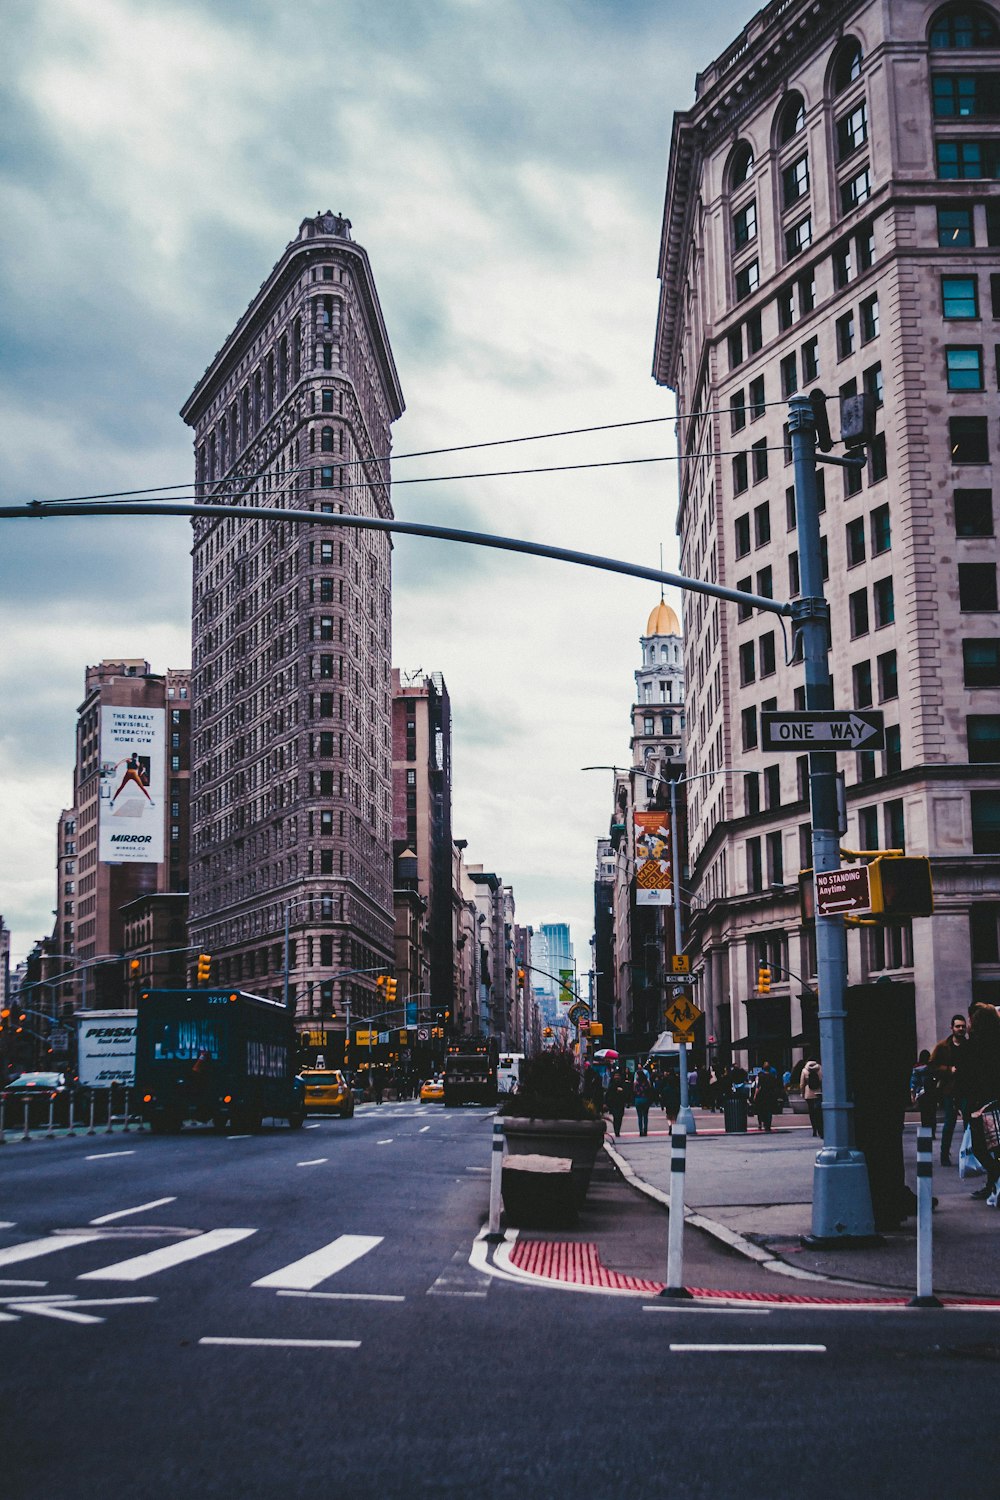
945	1062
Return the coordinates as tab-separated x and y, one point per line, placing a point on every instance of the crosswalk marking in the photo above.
31	1248
138	1266
124	1213
302	1275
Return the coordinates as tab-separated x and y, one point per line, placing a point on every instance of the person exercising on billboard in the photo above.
133	773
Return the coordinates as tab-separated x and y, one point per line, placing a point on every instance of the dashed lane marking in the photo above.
123	1213
107	1155
748	1348
285	1343
154	1261
317	1161
302	1275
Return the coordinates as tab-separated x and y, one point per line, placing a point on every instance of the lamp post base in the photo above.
842	1205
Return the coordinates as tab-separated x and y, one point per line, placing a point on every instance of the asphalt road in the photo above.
299	1317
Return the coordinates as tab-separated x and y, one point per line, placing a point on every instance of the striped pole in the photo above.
675	1239
925	1215
50	1134
496	1175
93	1102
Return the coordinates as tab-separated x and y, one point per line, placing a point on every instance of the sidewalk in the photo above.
753	1193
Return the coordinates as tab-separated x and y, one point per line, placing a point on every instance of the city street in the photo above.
310	1312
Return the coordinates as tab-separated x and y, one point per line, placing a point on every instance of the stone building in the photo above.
832	221
292	797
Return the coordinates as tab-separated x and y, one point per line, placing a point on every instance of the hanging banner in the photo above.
133	786
654	884
567	993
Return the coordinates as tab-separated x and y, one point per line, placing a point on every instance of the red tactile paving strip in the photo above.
579	1262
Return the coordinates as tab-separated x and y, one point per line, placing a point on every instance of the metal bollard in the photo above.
50	1134
126	1108
3	1110
111	1091
71	1130
496	1176
93	1102
26	1134
925	1220
675	1237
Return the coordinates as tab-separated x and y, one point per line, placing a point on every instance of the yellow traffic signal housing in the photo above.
390	991
901	886
381	982
204	967
763	980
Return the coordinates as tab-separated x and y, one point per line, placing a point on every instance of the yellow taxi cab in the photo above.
432	1091
328	1092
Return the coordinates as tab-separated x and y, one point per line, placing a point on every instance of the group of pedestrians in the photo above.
647	1087
961	1077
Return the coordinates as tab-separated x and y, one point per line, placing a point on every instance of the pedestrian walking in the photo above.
616	1098
764	1096
642	1097
670	1094
923	1091
978	1082
811	1084
944	1063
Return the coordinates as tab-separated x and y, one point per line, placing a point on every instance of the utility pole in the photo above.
842	1208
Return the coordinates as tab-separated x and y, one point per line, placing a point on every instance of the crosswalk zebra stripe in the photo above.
138	1266
30	1248
302	1275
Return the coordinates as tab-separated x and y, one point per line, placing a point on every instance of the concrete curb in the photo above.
729	1237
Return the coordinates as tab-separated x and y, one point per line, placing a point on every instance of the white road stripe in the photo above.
302	1275
317	1161
748	1348
105	1155
288	1343
387	1142
347	1296
138	1266
31	1248
422	1129
11	1281
314	1126
123	1213
237	1137
740	1312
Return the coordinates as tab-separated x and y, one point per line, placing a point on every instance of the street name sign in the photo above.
839	891
822	729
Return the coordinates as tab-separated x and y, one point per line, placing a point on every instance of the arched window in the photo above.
741	165
326	440
962	26
791	118
846	65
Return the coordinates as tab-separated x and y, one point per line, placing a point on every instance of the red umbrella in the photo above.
605	1054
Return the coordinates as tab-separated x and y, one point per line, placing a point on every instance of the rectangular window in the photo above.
855	536
995	295
744	611
759	454
787	310
968	438
328	356
806	285
795	181
775	859
868	828
973	513
981	661
762	525
798	237
857	610
794	582
983	935
885	604
869	319
737	411
967	158
765	584
977	588
745	224
772	787
327	400
748	664
888	678
751	794
964	364
810	361
845	335
755	333
878	464
856	190
894	824
982	733
959	297
741	479
985	822
741	528
955	228
790	516
861	681
735	347
802	776
852	131
747	279
966	96
789	375
874	384
748	727
766	645
755	873
757	398
881	530
893	755
843	264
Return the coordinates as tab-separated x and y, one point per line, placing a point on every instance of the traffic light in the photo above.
390	991
204	967
520	976
381	982
547	1031
135	966
900	886
763	980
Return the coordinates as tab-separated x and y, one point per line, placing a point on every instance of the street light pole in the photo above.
842	1207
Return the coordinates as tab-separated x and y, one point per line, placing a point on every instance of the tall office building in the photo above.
832	221
292	799
125	835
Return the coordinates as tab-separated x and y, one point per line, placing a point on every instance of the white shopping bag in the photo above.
969	1164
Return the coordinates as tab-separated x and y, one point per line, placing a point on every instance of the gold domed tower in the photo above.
658	711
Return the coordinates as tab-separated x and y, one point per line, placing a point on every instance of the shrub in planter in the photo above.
550	1090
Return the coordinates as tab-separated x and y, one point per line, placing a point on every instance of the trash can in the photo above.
734	1110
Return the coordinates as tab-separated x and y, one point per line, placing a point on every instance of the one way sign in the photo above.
822	729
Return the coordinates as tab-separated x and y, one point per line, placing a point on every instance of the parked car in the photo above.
328	1092
432	1091
40	1089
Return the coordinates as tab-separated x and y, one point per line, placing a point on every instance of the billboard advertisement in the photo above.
133	785
654	884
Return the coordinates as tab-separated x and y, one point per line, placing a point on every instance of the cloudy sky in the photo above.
503	162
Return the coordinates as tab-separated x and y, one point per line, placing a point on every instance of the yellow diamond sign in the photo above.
682	1014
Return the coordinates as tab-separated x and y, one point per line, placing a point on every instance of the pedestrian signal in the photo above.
901	886
763	980
204	967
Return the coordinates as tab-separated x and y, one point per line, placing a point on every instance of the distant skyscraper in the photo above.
292	809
